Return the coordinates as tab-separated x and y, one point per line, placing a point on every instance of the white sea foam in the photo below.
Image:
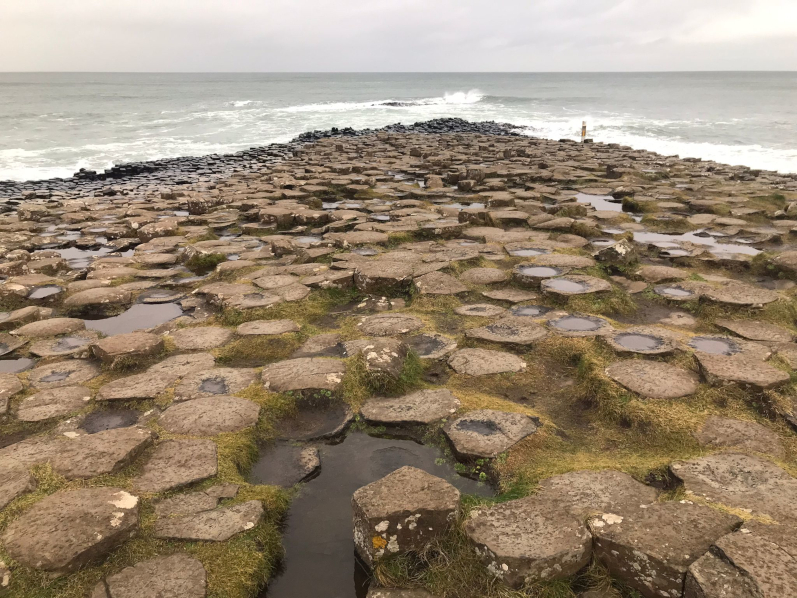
473	96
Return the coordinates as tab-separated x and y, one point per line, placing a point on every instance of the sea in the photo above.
52	124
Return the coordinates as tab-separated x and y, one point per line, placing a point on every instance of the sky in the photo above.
397	35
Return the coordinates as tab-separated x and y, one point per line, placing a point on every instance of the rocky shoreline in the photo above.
489	365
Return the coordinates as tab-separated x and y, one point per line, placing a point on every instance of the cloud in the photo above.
410	35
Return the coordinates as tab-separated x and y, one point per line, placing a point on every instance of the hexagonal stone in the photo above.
216	525
9	343
422	407
57	402
381	355
738	293
517	330
99	298
653	379
15	480
51	327
63	373
757	331
74	345
742	482
657	274
742	436
529	540
383	277
655	564
176	576
201	339
483	276
403	511
589	492
213	382
482	310
483	362
210	415
643	340
90	455
306	373
439	283
758	560
71	528
138	387
431	346
134	344
742	368
178	366
390	324
267	327
9	386
176	463
486	433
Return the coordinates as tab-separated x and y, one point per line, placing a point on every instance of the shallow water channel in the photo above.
318	539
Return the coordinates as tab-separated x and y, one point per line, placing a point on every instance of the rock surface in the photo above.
177	576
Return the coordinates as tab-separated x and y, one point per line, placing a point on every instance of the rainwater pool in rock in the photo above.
139	317
318	538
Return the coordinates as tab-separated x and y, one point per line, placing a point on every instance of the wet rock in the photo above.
511	329
757	331
177	463
742	482
580	325
133	345
528	540
178	575
99	298
9	386
389	324
71	528
575	284
483	362
49	404
267	327
622	253
403	511
309	373
63	373
214	382
9	343
742	436
24	315
321	345
431	346
201	339
316	417
486	433
655	564
74	345
438	283
90	455
422	407
653	379
178	366
643	340
217	525
285	465
108	419
742	368
483	276
210	416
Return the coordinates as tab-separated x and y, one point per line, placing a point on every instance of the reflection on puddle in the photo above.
42	292
566	286
318	537
81	258
714	345
539	271
673	242
578	324
600	202
13	366
139	317
638	342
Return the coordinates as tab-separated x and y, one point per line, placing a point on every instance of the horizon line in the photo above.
368	72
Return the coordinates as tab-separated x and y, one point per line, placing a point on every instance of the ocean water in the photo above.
53	124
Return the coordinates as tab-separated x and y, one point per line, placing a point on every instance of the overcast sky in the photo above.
397	35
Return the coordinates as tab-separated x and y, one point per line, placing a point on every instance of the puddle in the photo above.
318	537
14	366
56	377
714	345
139	317
696	237
600	202
613	231
316	418
279	465
603	242
539	271
366	251
578	323
529	310
424	344
478	426
307	240
379	217
673	291
82	258
216	386
461	206
42	292
566	286
527	252
638	342
329	205
100	421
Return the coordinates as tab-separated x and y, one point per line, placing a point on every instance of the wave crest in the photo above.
474	96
